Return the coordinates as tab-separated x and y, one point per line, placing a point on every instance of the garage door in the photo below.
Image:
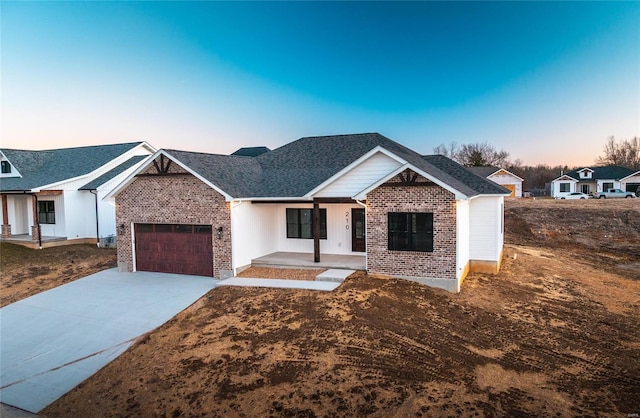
633	187
168	248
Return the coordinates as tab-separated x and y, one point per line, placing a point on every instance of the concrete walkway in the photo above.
54	340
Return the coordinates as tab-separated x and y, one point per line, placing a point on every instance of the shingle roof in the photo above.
39	168
251	151
233	174
93	185
300	166
607	172
484	171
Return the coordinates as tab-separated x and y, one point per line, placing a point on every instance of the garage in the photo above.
174	248
634	188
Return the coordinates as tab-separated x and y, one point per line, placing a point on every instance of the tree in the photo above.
625	153
482	154
450	151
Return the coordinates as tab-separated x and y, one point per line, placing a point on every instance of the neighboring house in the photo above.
57	195
422	218
595	179
505	178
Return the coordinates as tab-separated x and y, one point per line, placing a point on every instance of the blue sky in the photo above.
546	81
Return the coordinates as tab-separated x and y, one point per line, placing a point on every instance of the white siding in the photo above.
261	228
57	229
486	228
633	179
253	231
600	184
19	209
555	187
360	177
462	236
106	209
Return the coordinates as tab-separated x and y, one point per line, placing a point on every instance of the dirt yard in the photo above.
25	272
555	333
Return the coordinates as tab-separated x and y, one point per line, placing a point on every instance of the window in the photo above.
410	231
607	186
6	167
300	223
565	187
46	212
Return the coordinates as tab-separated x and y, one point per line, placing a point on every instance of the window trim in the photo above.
411	232
568	187
49	212
323	223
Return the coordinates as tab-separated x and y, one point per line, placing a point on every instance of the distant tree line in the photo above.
625	153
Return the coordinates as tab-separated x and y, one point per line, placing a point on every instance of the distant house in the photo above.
595	179
57	195
505	178
362	197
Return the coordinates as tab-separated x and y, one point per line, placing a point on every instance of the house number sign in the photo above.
346	214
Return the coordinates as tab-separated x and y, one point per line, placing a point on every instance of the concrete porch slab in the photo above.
305	260
279	283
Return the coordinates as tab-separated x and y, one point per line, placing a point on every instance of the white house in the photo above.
56	196
505	178
363	197
594	179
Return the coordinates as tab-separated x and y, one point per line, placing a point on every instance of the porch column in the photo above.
316	231
35	228
6	228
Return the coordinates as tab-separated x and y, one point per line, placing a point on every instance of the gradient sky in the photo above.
546	81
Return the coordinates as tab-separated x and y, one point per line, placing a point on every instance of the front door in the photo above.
358	231
585	188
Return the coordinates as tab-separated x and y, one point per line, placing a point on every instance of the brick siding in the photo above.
431	198
173	199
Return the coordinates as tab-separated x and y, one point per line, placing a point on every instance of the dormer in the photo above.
586	173
6	168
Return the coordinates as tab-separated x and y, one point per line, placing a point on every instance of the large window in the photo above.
300	223
410	231
565	187
46	212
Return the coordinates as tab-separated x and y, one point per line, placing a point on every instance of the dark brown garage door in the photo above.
167	248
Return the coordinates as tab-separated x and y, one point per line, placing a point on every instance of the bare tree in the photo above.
625	153
450	151
482	154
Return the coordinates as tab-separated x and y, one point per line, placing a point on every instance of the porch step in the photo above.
334	275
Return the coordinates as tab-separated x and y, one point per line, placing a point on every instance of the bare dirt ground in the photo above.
555	333
25	272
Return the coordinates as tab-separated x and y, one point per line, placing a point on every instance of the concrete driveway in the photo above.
52	341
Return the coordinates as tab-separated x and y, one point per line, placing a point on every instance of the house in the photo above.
423	218
505	178
56	196
595	179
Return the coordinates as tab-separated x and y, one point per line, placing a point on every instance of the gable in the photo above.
359	177
505	174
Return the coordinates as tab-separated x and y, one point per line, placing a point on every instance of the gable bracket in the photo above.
163	168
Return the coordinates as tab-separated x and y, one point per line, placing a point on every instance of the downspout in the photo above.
97	222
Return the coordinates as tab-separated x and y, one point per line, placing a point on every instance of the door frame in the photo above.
362	247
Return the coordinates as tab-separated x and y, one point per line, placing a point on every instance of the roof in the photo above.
251	151
295	169
484	171
40	168
607	172
93	185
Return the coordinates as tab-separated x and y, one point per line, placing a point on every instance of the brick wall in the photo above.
394	197
174	199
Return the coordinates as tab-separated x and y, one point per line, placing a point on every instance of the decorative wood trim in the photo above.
163	168
49	193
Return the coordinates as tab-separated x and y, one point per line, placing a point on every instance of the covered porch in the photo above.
283	259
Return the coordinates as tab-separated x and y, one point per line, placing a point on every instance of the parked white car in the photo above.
574	195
